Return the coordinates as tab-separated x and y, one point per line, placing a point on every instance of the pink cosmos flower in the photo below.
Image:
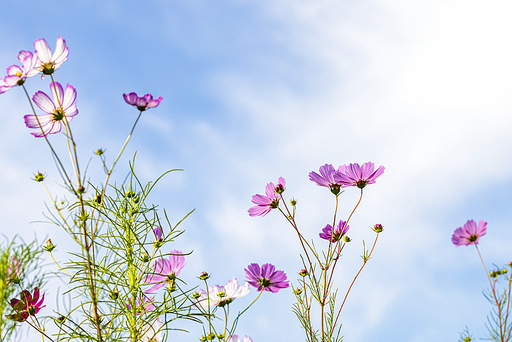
222	295
48	63
27	305
143	304
13	271
360	176
265	203
60	111
142	102
235	338
16	75
326	177
266	278
166	271
469	233
341	229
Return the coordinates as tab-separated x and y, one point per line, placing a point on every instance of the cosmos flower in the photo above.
143	304
469	233
222	295
326	177
17	75
142	102
48	63
235	338
341	229
166	271
27	305
266	278
60	111
265	203
360	176
13	271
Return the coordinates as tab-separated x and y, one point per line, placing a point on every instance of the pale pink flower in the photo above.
17	75
469	233
48	63
166	271
60	111
360	176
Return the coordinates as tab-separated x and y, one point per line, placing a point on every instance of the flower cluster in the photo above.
346	175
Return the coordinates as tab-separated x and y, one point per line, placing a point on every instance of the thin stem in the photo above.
365	260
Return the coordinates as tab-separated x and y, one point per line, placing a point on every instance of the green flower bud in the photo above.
196	295
99	152
80	189
293	202
114	294
297	291
145	257
39	177
204	276
303	272
49	246
346	239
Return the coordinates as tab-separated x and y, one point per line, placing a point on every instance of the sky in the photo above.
256	90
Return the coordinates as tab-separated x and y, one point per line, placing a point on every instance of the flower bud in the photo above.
145	257
293	202
297	292
129	194
97	199
39	177
220	336
203	338
196	295
60	319
211	336
504	271
80	189
114	294
346	239
303	272
378	228
204	276
467	339
279	189
99	152
49	246
493	274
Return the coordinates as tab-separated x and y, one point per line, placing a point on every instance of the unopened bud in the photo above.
80	189
378	228
99	152
346	239
196	295
204	276
145	257
303	272
39	177
297	291
114	294
293	202
97	199
49	246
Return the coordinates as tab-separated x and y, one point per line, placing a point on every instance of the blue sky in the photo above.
255	90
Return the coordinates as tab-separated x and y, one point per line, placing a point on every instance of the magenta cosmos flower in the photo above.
326	177
48	63
266	278
60	111
27	305
469	233
159	234
341	229
142	102
265	203
360	176
17	75
166	271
